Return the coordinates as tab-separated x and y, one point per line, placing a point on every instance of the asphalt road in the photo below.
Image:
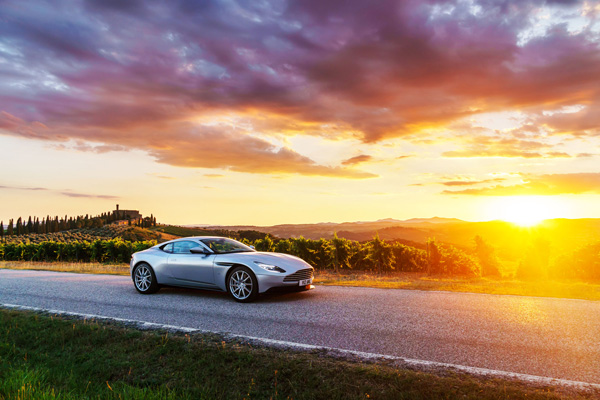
557	338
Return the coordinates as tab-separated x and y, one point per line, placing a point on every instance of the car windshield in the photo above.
223	245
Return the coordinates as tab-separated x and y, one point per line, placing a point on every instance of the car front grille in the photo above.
299	275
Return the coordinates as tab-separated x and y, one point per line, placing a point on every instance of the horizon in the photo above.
300	112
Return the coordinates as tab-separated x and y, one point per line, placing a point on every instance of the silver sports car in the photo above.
218	263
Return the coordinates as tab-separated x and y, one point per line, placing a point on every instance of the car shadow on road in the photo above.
209	294
286	297
277	297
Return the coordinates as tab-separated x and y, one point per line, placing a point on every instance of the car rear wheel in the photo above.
144	279
242	285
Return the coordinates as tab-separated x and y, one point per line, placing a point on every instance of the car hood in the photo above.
285	261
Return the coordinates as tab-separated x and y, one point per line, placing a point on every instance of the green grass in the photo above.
45	357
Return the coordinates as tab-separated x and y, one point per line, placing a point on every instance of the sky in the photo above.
269	112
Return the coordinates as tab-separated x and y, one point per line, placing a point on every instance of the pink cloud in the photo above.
118	75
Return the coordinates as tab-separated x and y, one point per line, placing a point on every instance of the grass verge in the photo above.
398	280
85	268
53	358
420	281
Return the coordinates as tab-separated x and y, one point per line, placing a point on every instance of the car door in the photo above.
190	269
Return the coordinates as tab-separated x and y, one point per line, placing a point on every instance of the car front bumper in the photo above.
275	282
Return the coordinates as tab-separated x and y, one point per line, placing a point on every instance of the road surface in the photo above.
556	338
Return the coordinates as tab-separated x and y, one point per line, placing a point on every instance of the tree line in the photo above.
50	224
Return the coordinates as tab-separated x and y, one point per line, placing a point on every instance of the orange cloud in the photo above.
357	159
550	184
470	182
505	145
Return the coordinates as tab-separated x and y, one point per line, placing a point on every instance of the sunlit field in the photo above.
418	281
84	268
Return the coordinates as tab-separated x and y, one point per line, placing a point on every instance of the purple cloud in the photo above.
126	74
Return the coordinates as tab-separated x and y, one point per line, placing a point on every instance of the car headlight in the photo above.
269	267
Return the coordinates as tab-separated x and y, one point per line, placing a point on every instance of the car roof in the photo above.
193	238
203	237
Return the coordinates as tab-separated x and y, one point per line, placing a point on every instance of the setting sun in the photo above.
526	210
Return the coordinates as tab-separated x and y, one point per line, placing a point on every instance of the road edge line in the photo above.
399	361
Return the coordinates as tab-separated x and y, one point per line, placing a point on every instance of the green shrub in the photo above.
112	250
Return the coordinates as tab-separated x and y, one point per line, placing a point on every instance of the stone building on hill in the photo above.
124	216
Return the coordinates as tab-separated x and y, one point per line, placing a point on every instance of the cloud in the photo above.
23	188
470	182
508	145
159	176
242	153
584	122
214	175
66	193
549	184
89	196
357	159
192	146
103	71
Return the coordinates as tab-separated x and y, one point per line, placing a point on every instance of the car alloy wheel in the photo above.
242	285
144	279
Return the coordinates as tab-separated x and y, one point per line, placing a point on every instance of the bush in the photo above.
583	263
448	260
113	250
535	263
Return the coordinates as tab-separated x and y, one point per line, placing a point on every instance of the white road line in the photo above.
400	361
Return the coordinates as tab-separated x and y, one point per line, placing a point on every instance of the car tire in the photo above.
242	285
144	279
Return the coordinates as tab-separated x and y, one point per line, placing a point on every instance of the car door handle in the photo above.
173	259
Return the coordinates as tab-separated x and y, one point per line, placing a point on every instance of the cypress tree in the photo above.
30	225
10	231
1	230
19	227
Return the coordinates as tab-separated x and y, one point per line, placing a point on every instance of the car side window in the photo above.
168	248
184	247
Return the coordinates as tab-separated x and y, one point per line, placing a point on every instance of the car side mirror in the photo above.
252	247
198	250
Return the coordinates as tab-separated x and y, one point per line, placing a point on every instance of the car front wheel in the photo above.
144	279
242	285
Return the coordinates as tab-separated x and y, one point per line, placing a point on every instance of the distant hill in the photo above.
434	220
174	231
511	240
416	229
